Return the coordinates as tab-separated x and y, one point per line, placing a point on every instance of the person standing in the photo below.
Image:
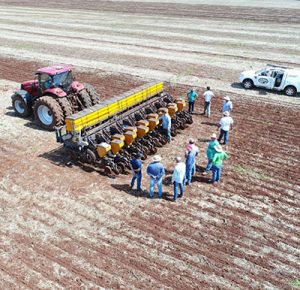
227	105
190	165
217	163
136	166
192	95
156	171
178	178
192	146
208	94
166	124
210	152
225	124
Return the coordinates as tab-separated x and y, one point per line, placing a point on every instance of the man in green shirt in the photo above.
217	162
210	152
192	95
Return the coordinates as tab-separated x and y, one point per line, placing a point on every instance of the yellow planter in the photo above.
130	136
153	123
143	123
103	149
116	146
142	131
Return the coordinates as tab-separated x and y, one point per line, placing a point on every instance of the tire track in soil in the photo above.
106	253
57	255
113	216
135	224
34	263
176	10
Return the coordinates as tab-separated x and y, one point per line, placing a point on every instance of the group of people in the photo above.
184	171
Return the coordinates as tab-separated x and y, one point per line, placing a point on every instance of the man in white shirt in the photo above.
225	124
208	94
178	178
227	105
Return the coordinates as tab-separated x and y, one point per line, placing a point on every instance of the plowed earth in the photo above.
63	227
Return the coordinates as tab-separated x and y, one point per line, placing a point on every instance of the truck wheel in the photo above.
248	84
48	113
95	98
66	106
85	98
20	106
290	91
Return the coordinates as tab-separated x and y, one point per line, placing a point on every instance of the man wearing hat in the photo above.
156	171
190	161
136	165
166	124
178	178
217	163
192	146
192	95
225	124
227	105
210	152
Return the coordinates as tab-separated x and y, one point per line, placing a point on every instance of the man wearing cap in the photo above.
210	152
225	124
192	146
136	165
208	94
217	163
227	105
192	95
166	124
156	171
178	178
190	161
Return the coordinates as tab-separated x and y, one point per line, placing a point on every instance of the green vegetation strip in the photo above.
250	172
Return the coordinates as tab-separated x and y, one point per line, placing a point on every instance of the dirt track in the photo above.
65	228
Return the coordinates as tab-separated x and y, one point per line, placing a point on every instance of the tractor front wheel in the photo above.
20	106
48	113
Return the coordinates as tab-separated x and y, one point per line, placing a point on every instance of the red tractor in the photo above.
52	96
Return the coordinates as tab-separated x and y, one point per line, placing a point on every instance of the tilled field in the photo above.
66	228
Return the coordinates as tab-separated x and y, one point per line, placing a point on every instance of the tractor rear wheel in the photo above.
95	98
20	107
66	106
48	113
85	99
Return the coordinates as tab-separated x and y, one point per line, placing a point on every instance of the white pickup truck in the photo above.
273	77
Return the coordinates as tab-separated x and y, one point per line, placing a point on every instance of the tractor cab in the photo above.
55	77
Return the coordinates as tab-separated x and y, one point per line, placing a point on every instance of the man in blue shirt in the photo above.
227	105
166	125
156	171
190	165
136	165
192	95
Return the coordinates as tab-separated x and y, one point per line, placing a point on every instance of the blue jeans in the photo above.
189	173
191	106
159	186
167	133
207	108
137	176
216	174
209	165
224	134
176	185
